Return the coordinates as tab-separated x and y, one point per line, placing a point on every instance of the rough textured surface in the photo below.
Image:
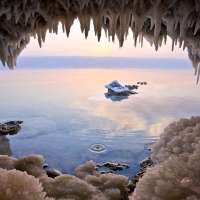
87	184
112	186
115	88
144	164
177	170
32	164
11	127
152	20
17	185
69	187
52	173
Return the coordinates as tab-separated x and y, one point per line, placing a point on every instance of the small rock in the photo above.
45	166
132	87
109	164
52	173
142	83
131	186
11	127
115	168
147	162
144	164
126	165
115	88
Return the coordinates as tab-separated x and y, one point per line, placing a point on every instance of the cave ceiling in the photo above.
152	20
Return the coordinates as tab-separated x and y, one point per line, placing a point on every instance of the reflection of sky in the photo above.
65	111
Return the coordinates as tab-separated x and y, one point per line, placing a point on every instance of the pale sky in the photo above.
77	45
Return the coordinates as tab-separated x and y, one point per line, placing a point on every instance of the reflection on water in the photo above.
5	146
65	113
115	97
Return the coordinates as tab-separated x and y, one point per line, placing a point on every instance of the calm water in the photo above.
65	113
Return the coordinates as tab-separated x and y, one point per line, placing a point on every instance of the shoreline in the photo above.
173	174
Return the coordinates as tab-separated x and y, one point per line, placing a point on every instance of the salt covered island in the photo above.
117	92
175	174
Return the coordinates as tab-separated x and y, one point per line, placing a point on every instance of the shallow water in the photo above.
68	119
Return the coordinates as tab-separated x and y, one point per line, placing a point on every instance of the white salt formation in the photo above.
117	92
149	19
17	185
33	183
116	88
113	186
32	164
176	174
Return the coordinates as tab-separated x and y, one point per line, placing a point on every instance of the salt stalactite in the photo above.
152	20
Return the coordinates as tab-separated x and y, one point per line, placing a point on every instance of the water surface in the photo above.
66	115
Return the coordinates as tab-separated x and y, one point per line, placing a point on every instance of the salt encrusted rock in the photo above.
131	186
144	164
113	186
114	166
142	83
52	173
114	88
32	164
132	87
106	172
176	170
16	185
87	183
126	165
45	166
11	127
147	162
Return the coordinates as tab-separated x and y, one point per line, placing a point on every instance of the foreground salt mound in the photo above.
69	187
113	186
33	183
176	174
17	185
87	184
32	164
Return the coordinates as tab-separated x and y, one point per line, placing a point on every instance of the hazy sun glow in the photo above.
77	45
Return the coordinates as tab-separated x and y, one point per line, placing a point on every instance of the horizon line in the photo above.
105	57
